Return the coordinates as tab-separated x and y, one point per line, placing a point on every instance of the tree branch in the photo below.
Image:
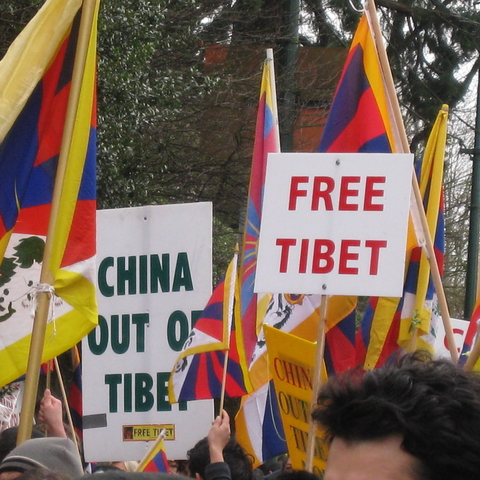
422	12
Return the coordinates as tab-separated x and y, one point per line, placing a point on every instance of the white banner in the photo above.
460	328
334	224
154	279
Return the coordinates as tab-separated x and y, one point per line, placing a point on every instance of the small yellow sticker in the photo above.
145	433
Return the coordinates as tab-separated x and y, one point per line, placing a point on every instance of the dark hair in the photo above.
433	404
39	473
297	475
234	455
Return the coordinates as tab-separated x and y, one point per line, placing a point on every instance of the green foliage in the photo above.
14	15
129	97
223	248
431	47
152	92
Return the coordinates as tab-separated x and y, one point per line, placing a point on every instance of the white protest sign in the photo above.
459	328
334	224
154	279
11	398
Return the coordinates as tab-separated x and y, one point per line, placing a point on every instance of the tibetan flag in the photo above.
156	460
47	367
258	425
420	310
75	394
35	84
358	121
340	352
299	316
266	141
295	314
390	323
198	371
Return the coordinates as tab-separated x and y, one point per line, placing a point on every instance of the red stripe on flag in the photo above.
81	243
202	389
33	220
356	134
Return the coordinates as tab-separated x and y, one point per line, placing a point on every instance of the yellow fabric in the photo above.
30	55
431	176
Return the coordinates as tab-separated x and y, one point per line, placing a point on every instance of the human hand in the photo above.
50	413
218	437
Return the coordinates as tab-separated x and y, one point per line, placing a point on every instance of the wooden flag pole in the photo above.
317	381
33	368
48	383
46	277
224	383
230	318
65	403
48	380
273	88
426	242
145	458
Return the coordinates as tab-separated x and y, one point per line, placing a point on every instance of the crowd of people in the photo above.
417	419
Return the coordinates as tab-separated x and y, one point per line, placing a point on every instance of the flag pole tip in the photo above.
359	10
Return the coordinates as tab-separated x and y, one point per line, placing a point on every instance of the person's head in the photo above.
274	464
234	455
117	474
180	467
39	473
417	420
51	453
288	465
296	475
127	466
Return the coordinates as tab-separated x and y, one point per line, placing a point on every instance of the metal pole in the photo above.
474	230
289	57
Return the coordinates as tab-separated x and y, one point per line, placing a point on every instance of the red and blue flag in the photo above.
359	116
75	394
258	425
198	371
156	461
266	141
